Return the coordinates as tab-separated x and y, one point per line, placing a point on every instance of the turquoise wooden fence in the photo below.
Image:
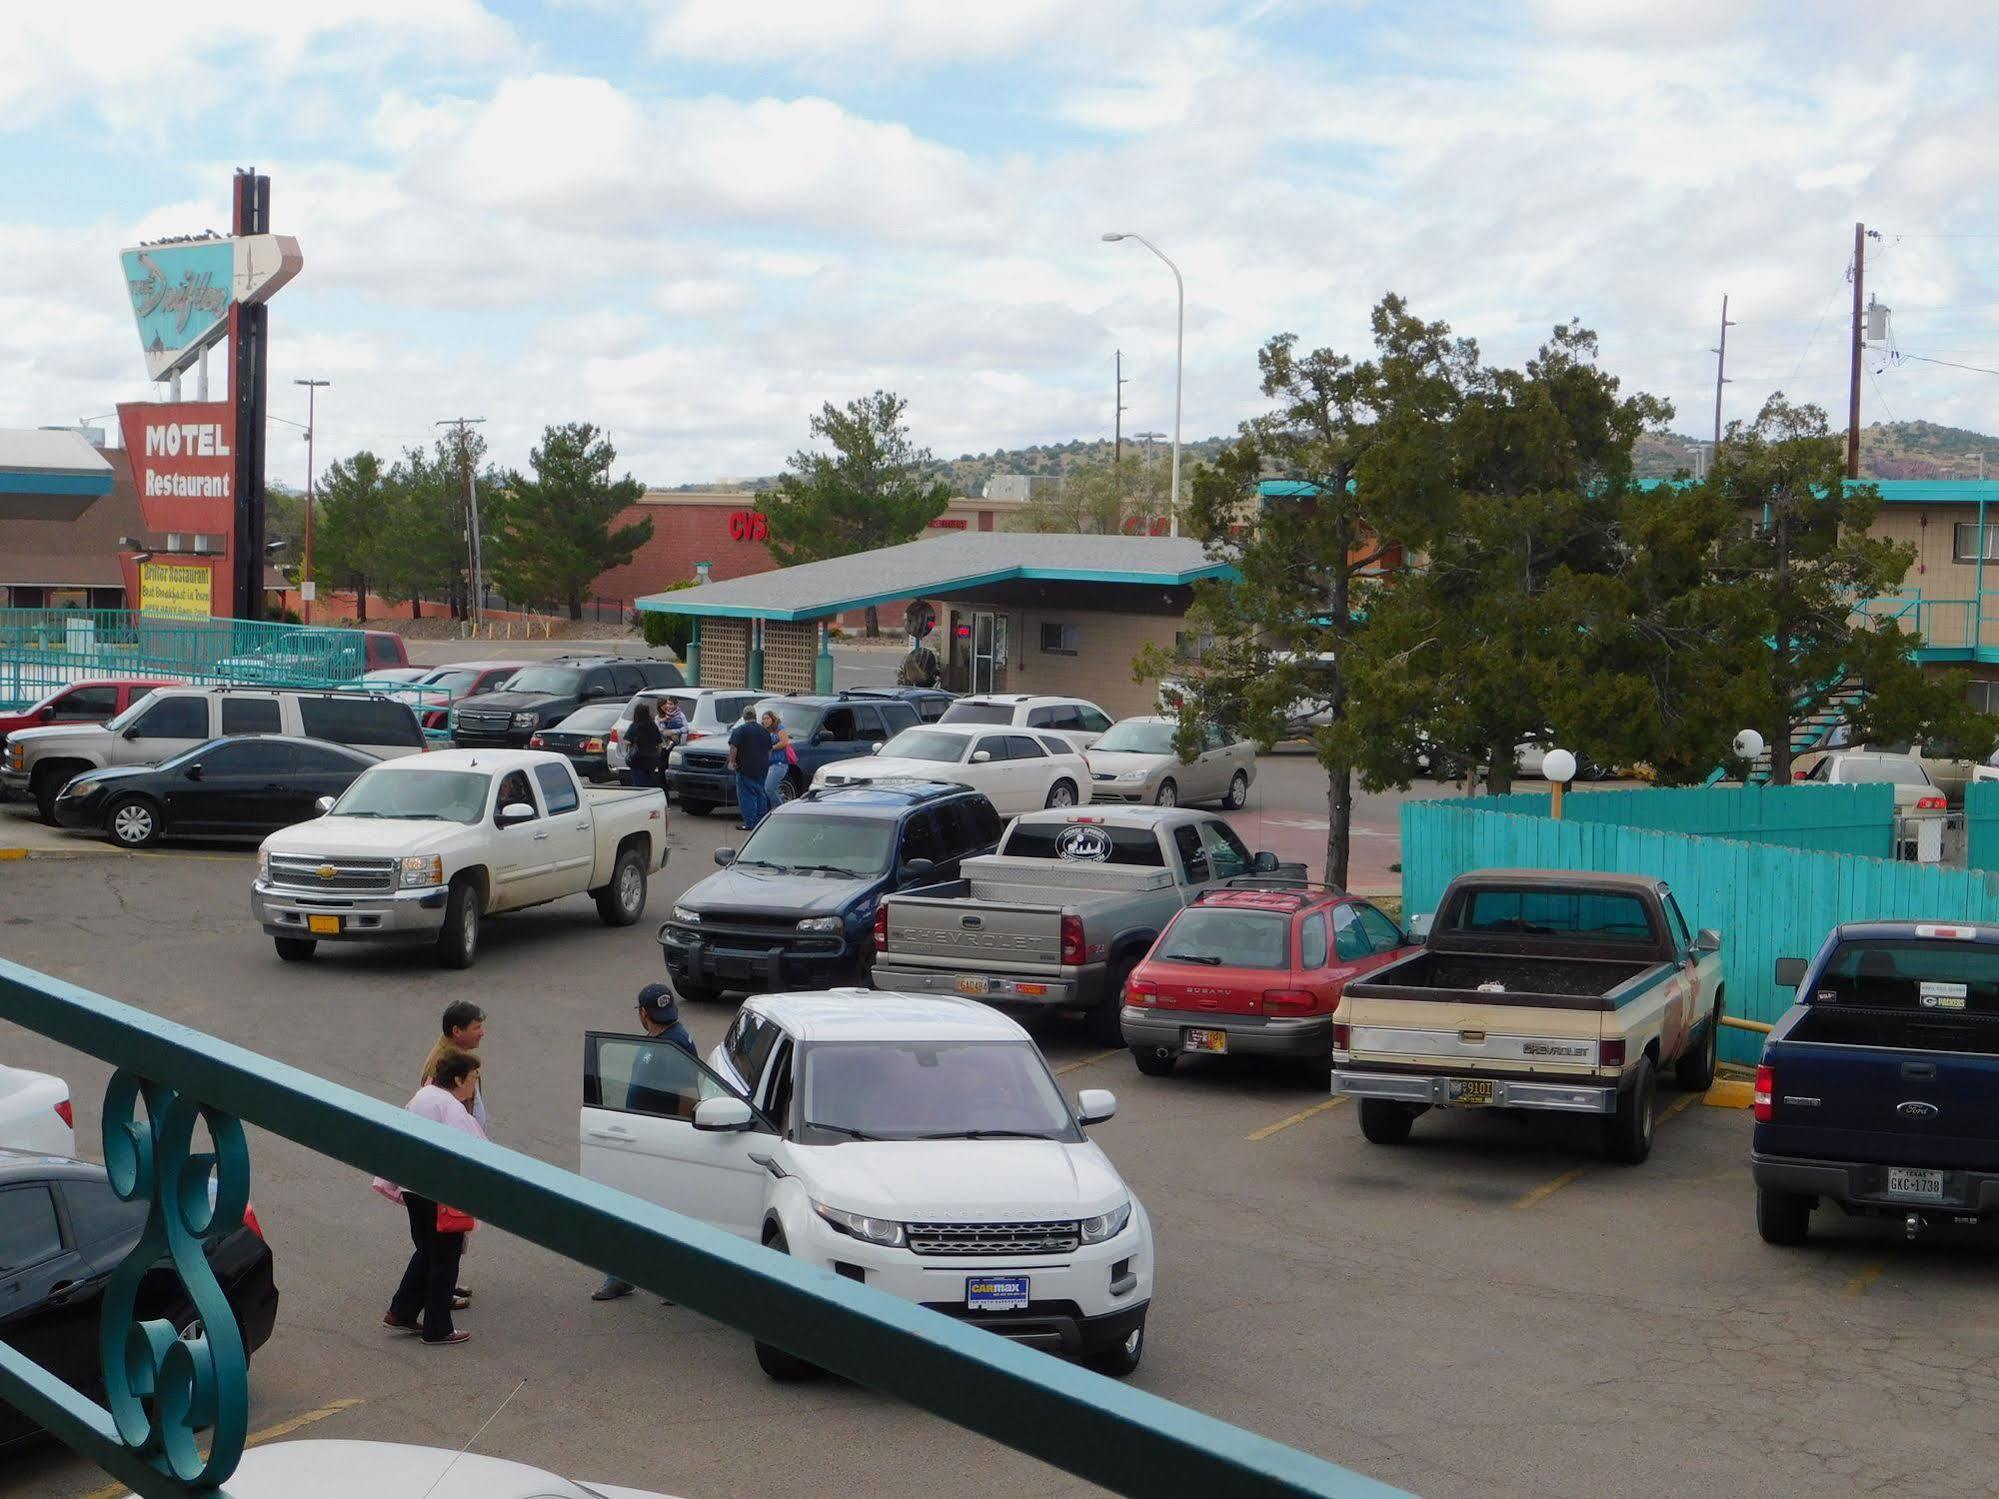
1981	825
1833	819
1767	900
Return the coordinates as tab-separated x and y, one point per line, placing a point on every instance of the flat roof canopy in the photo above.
49	474
940	565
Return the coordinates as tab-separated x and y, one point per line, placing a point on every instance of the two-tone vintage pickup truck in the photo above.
1536	989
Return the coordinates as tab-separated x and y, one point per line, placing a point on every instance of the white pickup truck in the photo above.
418	849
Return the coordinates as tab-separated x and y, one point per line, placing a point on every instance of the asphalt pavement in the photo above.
1490	1310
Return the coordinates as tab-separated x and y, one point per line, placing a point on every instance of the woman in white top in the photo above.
422	1302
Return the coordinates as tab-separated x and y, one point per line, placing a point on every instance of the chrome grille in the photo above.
300	872
995	1238
485	723
706	760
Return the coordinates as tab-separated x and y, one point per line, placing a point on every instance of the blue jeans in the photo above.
750	800
772	781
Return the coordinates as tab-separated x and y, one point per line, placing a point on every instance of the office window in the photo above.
1964	541
1984	696
1191	647
1058	639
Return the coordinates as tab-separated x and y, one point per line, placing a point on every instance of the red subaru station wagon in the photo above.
1253	968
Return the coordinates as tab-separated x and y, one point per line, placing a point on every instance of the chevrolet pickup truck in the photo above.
1875	1089
1058	917
418	849
1536	989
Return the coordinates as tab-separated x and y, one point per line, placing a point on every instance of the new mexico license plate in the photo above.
323	926
996	1293
1208	1041
973	987
1473	1091
1922	1186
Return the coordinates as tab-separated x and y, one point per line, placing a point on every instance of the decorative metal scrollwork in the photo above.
161	1388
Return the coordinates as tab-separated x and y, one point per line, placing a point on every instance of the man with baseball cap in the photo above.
653	1072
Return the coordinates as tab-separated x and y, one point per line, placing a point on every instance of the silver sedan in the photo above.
1135	761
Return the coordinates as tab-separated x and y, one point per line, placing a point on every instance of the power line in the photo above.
1896	356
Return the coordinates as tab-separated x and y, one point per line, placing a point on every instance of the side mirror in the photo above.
1419	927
915	869
725	857
1265	862
131	732
1095	1105
1707	940
981	757
193	771
323	806
1790	972
721	1115
514	813
874	749
47	713
824	736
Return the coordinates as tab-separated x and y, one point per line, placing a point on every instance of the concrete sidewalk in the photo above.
23	835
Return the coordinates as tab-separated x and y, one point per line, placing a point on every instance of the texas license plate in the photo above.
1208	1041
972	986
996	1293
1923	1186
323	926
1471	1091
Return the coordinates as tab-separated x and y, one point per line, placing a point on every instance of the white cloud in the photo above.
902	30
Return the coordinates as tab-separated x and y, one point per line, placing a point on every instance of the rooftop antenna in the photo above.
475	1437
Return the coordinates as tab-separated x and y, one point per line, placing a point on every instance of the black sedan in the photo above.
63	1232
582	737
246	785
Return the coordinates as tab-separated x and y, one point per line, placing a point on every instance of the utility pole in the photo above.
306	587
474	554
1720	364
1853	379
1117	409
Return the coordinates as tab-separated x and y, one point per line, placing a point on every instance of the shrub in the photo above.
671	630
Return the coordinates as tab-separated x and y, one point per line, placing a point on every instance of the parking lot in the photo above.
1487	1310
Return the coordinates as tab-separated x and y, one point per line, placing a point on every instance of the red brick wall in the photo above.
683	535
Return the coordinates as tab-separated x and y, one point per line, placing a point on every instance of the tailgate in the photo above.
972	932
1932	1105
1467	1037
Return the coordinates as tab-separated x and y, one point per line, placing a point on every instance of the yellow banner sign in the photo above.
174	589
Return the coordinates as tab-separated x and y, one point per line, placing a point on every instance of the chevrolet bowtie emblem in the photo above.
326	871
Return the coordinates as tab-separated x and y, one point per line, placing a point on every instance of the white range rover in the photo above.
915	1143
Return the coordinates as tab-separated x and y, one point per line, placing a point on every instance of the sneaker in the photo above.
461	1293
461	1336
396	1324
611	1289
459	1301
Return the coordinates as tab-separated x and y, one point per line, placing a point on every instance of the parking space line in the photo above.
1549	1188
1864	1277
1078	1065
1677	1107
256	1438
1298	1118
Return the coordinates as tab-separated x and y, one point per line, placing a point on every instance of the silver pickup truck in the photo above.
1061	913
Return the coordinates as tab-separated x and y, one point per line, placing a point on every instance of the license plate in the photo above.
1926	1186
1208	1041
971	986
1471	1091
996	1293
323	926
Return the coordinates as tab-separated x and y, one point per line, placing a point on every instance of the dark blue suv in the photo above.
795	907
823	729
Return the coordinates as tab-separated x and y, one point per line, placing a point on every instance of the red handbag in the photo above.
451	1221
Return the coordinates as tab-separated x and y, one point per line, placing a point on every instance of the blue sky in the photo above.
691	221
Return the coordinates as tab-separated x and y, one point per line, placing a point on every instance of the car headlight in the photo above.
1131	775
17	756
820	924
420	870
527	719
263	865
1107	1225
682	913
672	757
883	1231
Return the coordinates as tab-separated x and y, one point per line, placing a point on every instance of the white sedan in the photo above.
35	1113
392	1470
1019	770
1135	761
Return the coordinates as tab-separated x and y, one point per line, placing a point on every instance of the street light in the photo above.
1558	766
306	587
1111	237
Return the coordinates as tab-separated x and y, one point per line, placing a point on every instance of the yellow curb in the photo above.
13	853
1730	1093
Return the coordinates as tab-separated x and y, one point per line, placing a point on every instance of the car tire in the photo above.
295	949
1316	1073
1121	1361
623	901
133	822
1783	1218
458	939
697	809
1062	794
789	789
1695	1070
1383	1121
1238	796
1151	1063
1168	794
48	784
1627	1134
1105	1024
784	1367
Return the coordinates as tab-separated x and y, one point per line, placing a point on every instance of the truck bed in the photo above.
1967	1035
1544	982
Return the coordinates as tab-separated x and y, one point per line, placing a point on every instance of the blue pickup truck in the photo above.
1879	1089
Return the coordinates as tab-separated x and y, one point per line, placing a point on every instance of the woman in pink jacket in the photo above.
422	1302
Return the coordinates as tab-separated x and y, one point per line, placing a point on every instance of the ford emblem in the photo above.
1917	1108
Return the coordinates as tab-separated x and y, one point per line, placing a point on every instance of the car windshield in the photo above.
800	840
440	795
930	1090
453	680
977	713
558	680
926	744
1900	772
596	717
800	718
1222	938
1139	736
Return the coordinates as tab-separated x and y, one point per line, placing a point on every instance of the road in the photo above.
1487	1311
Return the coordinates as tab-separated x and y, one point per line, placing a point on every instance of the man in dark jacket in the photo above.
659	1077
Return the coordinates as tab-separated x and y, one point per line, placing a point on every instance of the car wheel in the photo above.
1104	1024
1168	794
1783	1218
784	1367
1695	1070
1316	1073
623	901
1062	794
1122	1360
696	809
1627	1134
1151	1063
48	784
133	822
295	949
788	790
1386	1122
458	941
1238	792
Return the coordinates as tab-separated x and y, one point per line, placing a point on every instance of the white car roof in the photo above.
473	759
961	730
393	1470
884	1015
1023	699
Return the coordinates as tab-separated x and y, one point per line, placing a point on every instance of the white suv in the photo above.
914	1143
1079	722
35	1113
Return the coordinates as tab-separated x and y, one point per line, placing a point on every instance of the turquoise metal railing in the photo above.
161	1388
43	649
